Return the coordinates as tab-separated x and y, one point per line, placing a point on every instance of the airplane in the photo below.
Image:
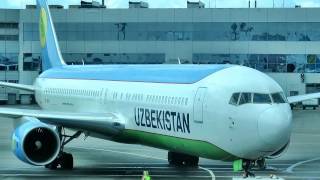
221	112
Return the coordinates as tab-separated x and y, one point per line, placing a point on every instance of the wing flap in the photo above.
106	123
300	98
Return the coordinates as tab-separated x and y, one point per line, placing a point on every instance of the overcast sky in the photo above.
173	3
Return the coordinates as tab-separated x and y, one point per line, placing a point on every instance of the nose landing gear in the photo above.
247	165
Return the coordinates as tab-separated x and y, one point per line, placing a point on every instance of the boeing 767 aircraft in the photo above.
221	112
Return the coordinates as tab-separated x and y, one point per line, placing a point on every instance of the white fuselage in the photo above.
247	131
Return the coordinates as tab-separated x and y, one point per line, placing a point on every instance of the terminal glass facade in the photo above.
181	31
291	63
32	61
187	31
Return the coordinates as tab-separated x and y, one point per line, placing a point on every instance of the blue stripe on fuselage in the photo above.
180	74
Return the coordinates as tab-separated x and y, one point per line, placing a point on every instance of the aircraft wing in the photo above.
18	86
299	98
106	123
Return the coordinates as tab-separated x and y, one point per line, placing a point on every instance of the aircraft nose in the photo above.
274	126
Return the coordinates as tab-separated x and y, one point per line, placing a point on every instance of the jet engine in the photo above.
35	142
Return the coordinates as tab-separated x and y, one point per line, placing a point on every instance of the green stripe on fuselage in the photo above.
176	144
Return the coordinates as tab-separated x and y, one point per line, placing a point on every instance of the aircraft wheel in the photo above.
179	159
174	159
63	161
192	161
261	163
66	161
53	165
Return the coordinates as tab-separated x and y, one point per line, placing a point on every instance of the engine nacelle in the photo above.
35	142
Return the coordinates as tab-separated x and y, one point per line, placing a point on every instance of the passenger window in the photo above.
277	98
234	98
245	98
261	98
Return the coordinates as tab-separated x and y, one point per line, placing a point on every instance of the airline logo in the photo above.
43	27
162	119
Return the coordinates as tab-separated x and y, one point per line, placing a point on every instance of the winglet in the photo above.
50	50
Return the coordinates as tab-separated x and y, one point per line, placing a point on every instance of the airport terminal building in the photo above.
282	42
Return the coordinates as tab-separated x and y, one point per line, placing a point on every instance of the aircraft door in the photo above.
198	105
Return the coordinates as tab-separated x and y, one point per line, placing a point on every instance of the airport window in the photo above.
211	58
277	31
31	62
297	32
265	62
278	98
9	25
9	37
245	98
179	31
258	31
261	98
113	58
234	98
9	62
312	33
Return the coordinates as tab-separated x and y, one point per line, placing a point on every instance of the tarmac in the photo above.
100	159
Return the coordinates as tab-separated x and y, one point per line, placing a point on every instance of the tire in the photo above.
180	159
67	161
174	159
261	163
53	165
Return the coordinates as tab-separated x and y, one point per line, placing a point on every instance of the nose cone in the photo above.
274	126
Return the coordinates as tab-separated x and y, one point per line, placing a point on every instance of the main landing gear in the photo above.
180	159
249	164
64	160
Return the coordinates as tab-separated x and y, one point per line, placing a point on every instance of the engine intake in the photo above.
35	142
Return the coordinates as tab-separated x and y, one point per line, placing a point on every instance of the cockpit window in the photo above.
234	98
245	98
277	98
261	98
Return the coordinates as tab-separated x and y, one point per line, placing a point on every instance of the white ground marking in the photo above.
119	152
213	177
290	169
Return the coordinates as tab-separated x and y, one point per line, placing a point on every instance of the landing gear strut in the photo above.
64	160
247	165
261	164
180	159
